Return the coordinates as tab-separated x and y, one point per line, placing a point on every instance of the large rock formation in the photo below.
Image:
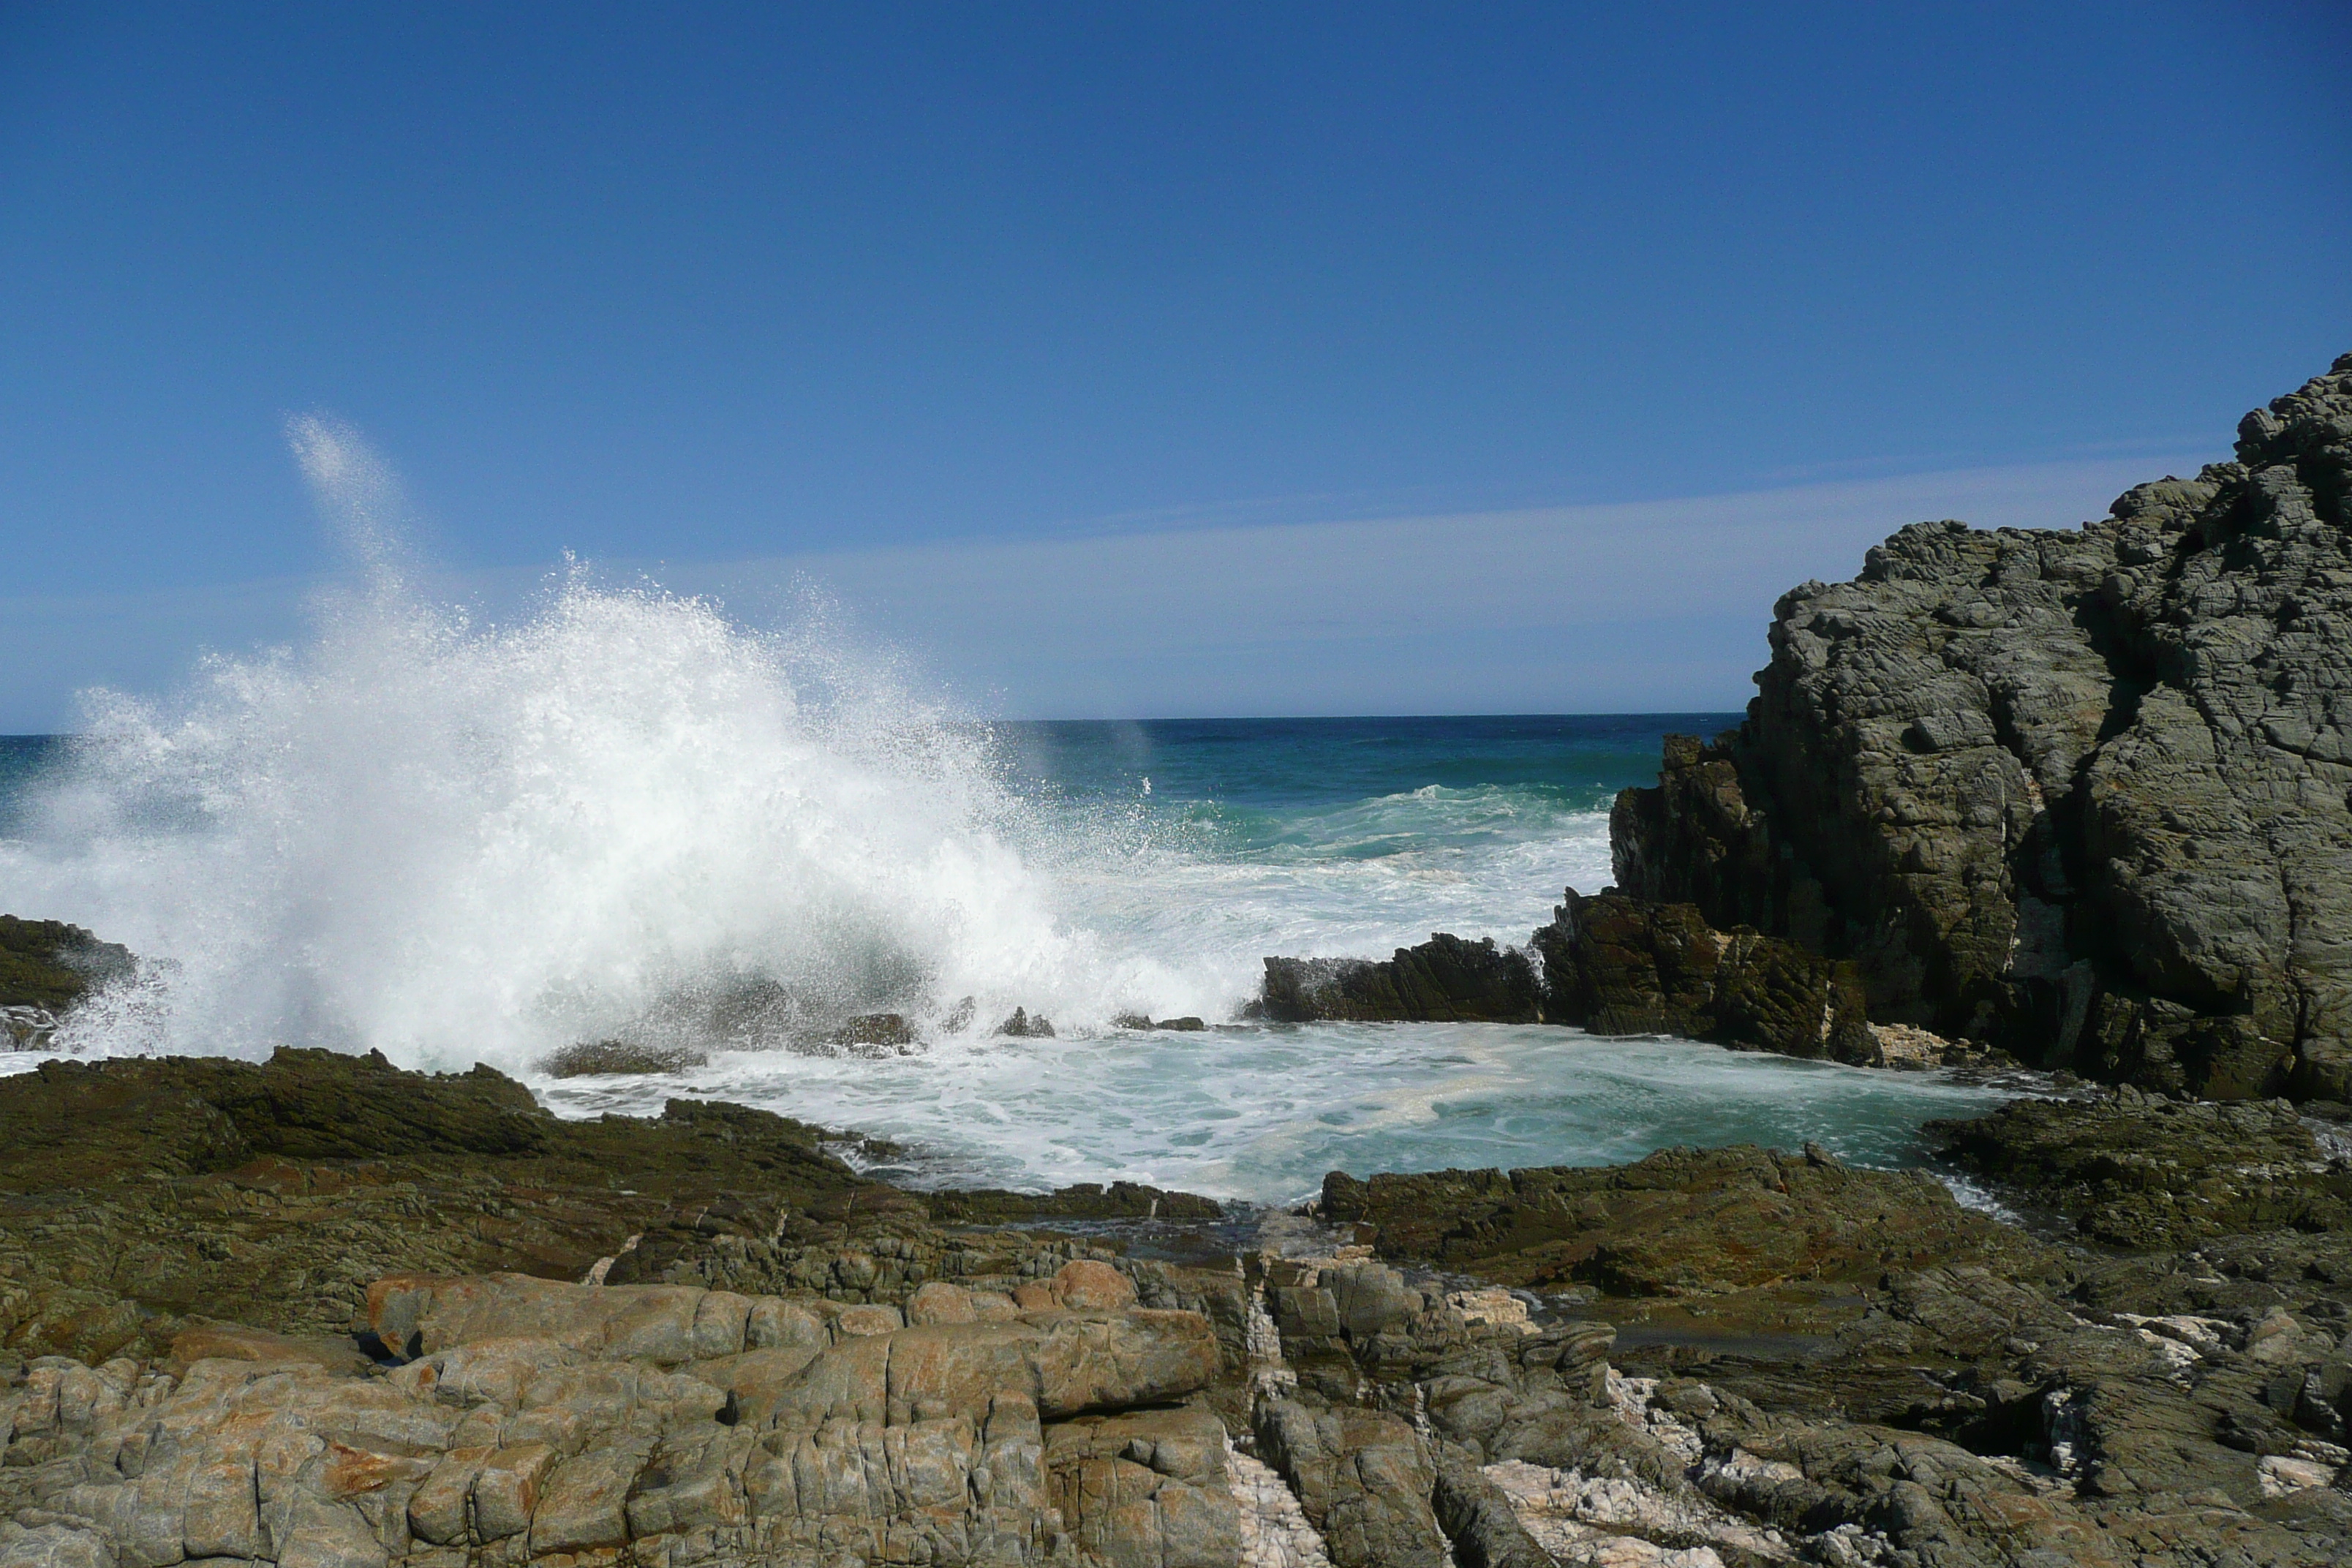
2081	792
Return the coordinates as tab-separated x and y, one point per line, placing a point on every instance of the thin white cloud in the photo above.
1654	605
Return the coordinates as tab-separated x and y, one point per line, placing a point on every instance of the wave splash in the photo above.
623	816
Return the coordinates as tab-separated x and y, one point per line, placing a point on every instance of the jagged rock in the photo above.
1022	1027
1085	1200
1445	979
1363	1478
2081	793
1618	965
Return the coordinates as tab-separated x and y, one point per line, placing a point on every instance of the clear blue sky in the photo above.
883	286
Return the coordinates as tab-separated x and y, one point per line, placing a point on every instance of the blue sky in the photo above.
1096	354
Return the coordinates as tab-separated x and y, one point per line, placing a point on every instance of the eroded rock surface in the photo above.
2081	793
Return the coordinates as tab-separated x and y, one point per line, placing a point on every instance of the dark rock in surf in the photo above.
1022	1027
1680	1222
1617	965
2080	792
1446	980
593	1058
889	1031
46	968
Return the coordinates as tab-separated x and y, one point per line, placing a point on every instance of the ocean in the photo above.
625	816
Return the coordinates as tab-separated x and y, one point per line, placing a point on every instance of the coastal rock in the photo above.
46	968
1870	1374
2080	792
591	1058
1618	965
2137	1171
1679	1222
1445	979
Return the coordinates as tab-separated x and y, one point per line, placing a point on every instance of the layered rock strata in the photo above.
2081	793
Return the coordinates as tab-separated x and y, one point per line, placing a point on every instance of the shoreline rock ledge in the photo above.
2084	794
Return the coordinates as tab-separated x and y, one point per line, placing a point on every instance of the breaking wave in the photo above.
621	816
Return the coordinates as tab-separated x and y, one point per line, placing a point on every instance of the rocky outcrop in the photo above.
139	1194
1446	980
1734	1355
47	967
2081	793
1625	966
1681	1221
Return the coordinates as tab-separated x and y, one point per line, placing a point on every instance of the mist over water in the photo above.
622	815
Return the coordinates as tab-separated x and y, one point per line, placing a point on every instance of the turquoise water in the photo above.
627	818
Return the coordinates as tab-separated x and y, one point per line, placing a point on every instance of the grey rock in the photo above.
2081	793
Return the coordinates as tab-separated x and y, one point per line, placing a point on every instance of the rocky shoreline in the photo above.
2078	800
324	1311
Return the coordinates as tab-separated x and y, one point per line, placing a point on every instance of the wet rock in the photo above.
2080	792
137	1195
1085	1200
1022	1027
597	1057
888	1031
1443	980
50	965
1682	1221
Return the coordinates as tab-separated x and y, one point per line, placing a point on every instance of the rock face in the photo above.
1625	966
2081	793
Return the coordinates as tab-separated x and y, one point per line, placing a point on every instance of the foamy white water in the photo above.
623	816
1263	1113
